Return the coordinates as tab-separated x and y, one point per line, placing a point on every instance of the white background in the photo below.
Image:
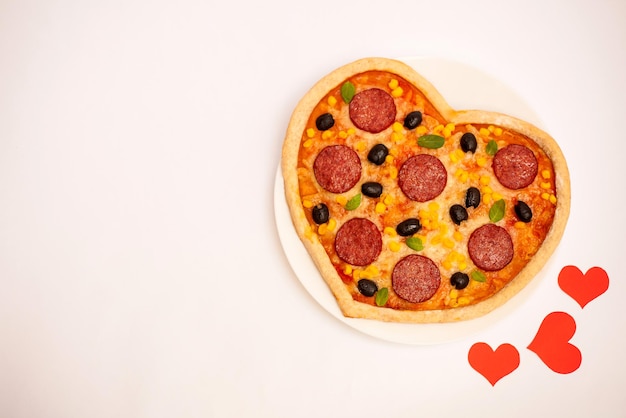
141	273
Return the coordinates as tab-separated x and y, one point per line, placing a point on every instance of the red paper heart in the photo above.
552	344
493	365
583	288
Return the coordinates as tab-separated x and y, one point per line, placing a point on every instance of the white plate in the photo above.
464	87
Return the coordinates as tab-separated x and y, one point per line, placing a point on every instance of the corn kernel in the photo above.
393	83
342	200
446	264
487	190
356	274
491	128
520	225
421	130
446	132
380	208
394	151
451	127
328	134
462	265
310	132
457	236
454	294
553	199
351	131
463	300
448	243
389	158
454	158
347	270
485	180
307	143
458	172
397	127
436	240
487	198
433	206
545	185
438	129
390	231
396	137
481	161
545	196
332	101
393	172
484	131
464	176
308	232
360	146
307	203
474	176
322	229
343	134
497	196
388	200
397	92
497	131
545	174
394	246
372	270
332	224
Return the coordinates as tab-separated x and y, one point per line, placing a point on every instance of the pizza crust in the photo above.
351	308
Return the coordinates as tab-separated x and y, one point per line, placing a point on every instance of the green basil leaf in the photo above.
354	202
431	141
497	210
492	147
347	91
415	243
381	296
478	276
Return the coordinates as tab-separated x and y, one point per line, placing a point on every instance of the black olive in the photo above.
372	189
523	212
458	214
408	227
324	122
320	213
472	197
459	280
413	120
468	142
367	287
377	154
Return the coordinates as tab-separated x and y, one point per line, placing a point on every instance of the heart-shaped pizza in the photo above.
413	211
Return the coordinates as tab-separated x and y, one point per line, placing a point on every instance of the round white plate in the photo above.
464	87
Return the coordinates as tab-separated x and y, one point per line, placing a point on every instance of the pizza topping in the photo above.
337	168
372	189
415	278
347	91
377	154
459	280
358	242
324	122
492	147
422	177
413	120
468	142
523	212
320	213
431	141
497	210
372	110
490	247
367	287
382	296
479	276
515	166
458	214
408	227
415	243
472	197
353	203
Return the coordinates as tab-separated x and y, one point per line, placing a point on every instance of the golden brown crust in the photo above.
347	304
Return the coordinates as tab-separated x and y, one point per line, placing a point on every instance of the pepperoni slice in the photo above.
422	177
515	166
337	168
372	110
358	242
415	278
490	247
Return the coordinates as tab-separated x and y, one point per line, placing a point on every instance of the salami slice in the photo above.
490	247
358	242
422	177
372	110
415	278
337	168
515	166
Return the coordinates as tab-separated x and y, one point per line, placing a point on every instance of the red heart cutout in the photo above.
493	365
583	288
552	344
